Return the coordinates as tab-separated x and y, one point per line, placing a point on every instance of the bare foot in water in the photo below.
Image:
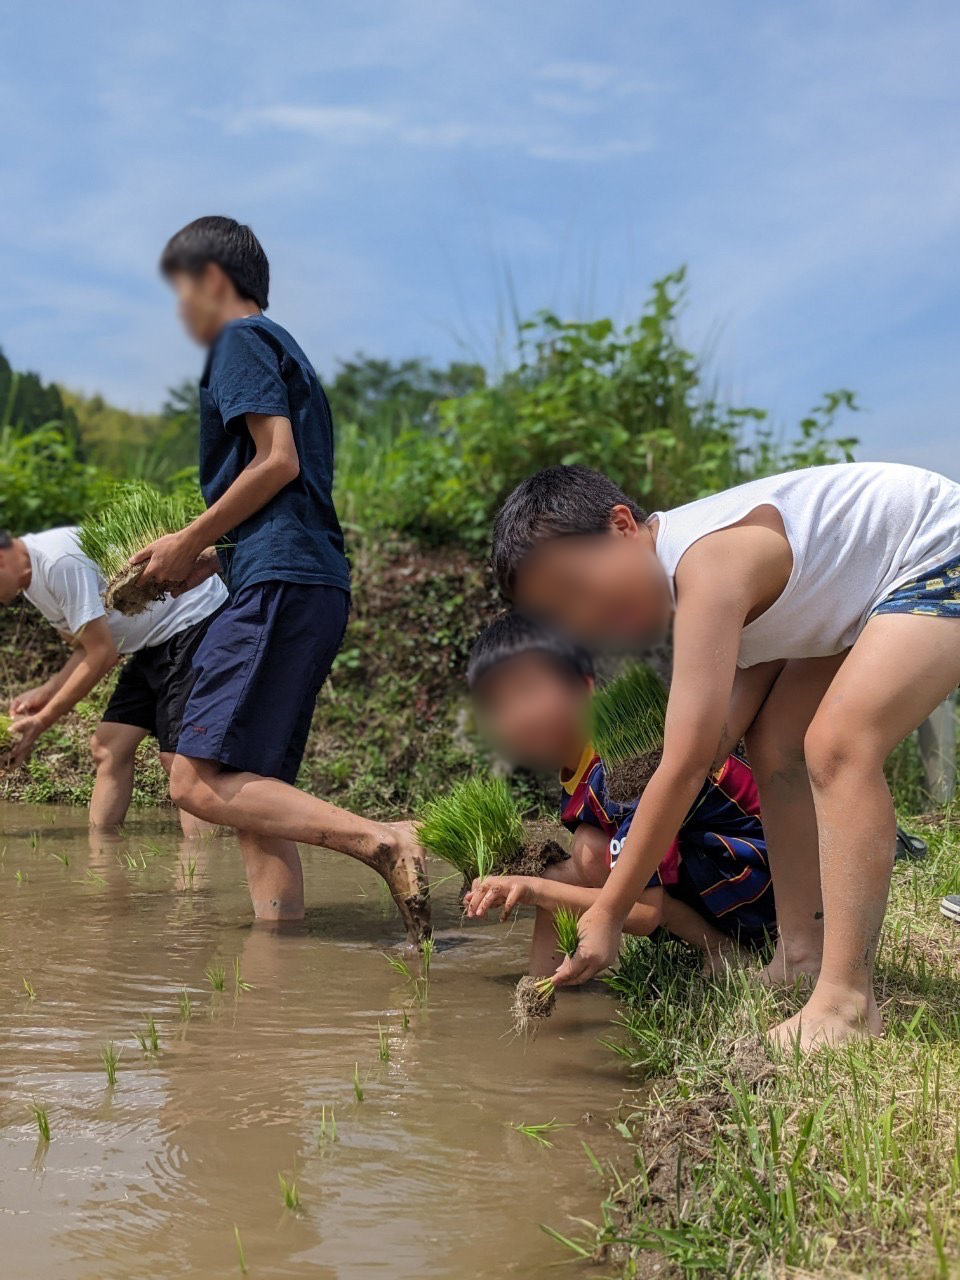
400	860
784	970
832	1016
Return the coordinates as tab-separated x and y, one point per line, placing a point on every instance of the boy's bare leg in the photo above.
191	827
775	750
543	947
274	876
717	948
114	748
901	667
268	807
590	855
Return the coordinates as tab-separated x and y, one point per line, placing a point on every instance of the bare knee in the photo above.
838	755
189	790
108	755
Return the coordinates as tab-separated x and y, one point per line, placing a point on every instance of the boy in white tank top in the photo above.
816	614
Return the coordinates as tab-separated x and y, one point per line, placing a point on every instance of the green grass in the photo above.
476	827
843	1164
628	715
135	515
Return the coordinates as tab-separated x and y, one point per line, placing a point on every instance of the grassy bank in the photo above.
846	1164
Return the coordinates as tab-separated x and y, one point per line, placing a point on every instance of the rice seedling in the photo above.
418	984
20	877
7	739
476	828
383	1044
149	1039
238	982
534	998
540	1133
61	857
627	727
328	1127
184	1005
290	1194
110	1057
357	1086
135	515
92	877
216	975
187	869
34	840
241	1257
28	989
404	1020
42	1120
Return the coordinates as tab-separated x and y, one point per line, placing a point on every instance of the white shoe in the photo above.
950	907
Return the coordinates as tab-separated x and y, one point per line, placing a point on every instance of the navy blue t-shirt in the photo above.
256	367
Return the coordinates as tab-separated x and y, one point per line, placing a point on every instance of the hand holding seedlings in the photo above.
535	998
506	892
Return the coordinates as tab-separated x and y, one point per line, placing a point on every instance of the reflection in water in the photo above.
426	1177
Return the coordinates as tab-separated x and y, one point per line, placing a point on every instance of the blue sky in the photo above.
403	161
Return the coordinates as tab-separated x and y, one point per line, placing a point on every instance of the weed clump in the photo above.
628	718
135	515
535	998
477	828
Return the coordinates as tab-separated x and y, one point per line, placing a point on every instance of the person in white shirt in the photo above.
156	646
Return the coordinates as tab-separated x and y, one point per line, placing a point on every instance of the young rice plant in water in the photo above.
476	828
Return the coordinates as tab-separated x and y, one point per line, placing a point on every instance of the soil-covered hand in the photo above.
171	558
28	729
29	702
507	892
597	950
205	566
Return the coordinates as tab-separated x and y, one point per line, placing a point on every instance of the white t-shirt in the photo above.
65	586
857	530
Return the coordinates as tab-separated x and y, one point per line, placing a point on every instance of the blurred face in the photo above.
14	572
534	712
602	588
203	301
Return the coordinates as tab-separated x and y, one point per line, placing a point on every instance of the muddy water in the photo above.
149	1178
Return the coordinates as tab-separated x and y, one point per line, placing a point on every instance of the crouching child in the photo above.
712	890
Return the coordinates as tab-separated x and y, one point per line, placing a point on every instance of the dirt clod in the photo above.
627	781
531	1004
128	595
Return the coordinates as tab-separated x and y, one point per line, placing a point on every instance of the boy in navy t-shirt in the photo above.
266	471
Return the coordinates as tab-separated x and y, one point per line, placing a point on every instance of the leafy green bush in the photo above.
43	483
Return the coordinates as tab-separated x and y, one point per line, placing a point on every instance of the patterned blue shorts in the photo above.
936	592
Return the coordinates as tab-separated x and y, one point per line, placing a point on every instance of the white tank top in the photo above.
857	530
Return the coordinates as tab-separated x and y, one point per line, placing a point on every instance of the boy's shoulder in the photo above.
237	333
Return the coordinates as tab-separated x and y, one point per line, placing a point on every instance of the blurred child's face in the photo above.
14	574
535	713
601	588
202	301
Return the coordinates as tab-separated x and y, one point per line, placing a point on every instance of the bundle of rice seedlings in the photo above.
628	717
535	998
135	515
476	828
7	739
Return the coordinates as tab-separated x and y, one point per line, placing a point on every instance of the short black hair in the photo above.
228	243
511	635
557	502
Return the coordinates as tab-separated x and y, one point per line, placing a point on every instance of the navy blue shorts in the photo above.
259	669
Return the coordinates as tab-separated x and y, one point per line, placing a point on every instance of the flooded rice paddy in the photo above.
396	1144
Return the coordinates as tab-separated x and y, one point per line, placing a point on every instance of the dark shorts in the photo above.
154	685
259	670
935	593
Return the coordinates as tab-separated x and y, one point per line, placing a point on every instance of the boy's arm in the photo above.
33	699
508	892
96	654
275	464
716	591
